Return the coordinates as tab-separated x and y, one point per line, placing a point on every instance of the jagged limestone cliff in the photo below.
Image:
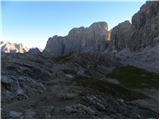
91	39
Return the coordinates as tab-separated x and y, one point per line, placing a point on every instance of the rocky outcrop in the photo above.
121	35
8	47
137	43
142	33
21	77
147	58
55	46
34	51
91	39
145	25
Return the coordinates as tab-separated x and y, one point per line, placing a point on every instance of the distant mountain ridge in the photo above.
8	47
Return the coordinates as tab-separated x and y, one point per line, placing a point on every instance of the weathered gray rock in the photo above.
14	91
143	32
121	36
29	114
137	43
6	80
145	25
67	98
34	51
14	114
55	46
100	104
19	77
147	58
91	39
80	109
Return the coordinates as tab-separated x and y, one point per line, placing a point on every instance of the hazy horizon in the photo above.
32	23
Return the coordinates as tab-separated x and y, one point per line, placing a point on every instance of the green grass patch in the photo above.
91	85
69	71
134	77
62	59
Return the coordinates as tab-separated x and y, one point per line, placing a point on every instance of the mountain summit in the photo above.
90	39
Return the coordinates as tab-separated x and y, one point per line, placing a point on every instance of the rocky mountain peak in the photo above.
9	47
141	33
90	39
99	25
120	35
145	25
139	38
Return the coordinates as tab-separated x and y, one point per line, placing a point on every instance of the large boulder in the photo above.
91	39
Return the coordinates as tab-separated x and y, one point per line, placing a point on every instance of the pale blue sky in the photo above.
32	23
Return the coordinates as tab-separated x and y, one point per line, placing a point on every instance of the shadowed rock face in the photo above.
137	43
34	51
121	35
91	39
55	46
8	47
145	25
143	31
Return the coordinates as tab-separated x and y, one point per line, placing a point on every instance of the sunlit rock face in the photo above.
7	47
91	39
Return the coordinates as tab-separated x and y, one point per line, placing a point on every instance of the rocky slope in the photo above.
76	86
8	47
91	39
